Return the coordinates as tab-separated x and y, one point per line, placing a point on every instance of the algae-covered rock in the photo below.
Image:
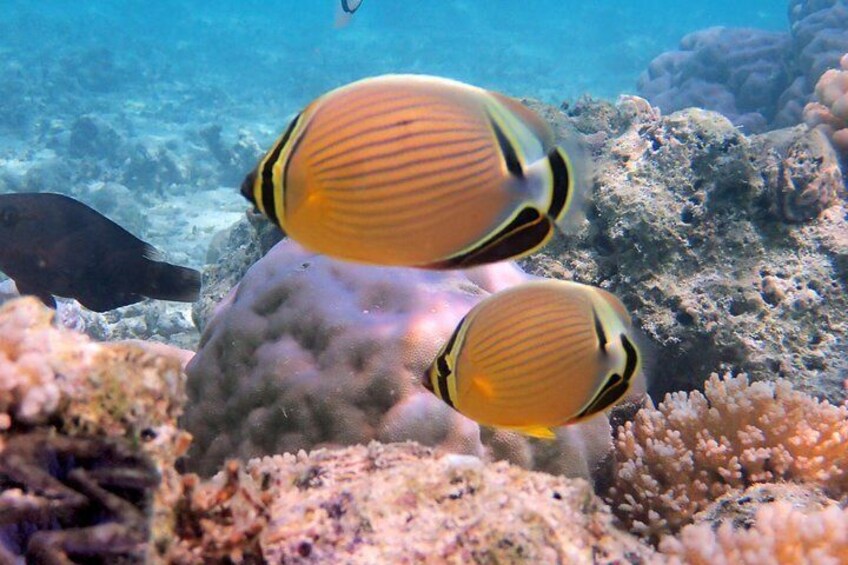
731	251
398	504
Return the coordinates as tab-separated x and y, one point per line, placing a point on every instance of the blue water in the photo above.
257	62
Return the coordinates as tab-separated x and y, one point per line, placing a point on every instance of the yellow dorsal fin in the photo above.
535	431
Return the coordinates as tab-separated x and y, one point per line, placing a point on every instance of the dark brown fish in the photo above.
51	244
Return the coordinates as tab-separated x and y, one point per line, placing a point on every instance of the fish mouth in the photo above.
247	186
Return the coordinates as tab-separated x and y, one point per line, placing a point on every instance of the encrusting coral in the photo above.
730	250
830	113
674	461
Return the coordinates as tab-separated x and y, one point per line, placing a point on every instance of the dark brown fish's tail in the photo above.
171	282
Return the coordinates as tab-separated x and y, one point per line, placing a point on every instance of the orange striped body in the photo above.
407	170
538	356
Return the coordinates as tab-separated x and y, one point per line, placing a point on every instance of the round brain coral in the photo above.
310	351
831	111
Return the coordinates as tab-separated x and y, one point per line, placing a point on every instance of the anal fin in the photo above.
540	432
528	231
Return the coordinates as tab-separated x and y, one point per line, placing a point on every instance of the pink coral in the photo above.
780	534
310	351
831	111
54	374
673	461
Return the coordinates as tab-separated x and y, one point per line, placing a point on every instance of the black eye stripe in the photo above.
562	181
267	190
443	369
444	391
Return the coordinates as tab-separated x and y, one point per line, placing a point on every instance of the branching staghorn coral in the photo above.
673	461
781	534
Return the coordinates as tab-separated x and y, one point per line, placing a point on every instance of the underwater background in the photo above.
152	96
270	420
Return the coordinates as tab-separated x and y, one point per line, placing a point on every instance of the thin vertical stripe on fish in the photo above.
417	171
538	356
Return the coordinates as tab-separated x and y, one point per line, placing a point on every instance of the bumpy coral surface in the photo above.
759	79
309	351
831	111
731	251
738	72
400	504
674	461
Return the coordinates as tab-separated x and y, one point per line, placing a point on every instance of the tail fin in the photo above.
345	10
569	174
172	282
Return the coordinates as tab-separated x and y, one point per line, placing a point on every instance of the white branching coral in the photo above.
780	534
673	461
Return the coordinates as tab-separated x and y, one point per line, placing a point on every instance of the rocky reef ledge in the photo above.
90	441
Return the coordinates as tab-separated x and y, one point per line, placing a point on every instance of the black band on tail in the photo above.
562	184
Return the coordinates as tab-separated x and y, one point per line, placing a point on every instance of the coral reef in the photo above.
779	535
674	461
758	79
749	473
88	439
50	374
231	254
830	113
397	504
738	72
731	251
309	351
